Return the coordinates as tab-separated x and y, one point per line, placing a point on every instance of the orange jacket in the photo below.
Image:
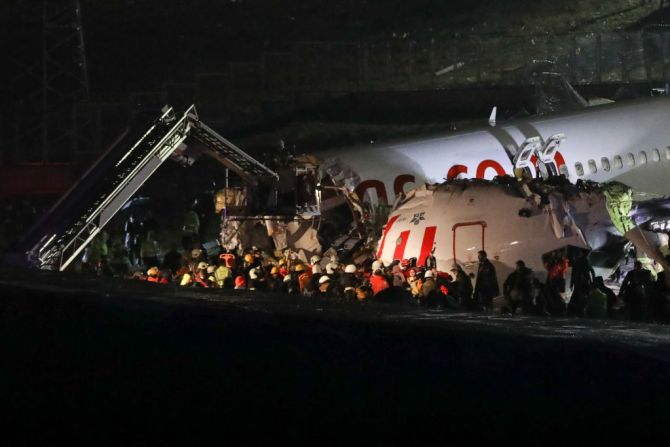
378	283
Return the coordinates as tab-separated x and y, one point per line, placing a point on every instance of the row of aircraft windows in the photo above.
618	161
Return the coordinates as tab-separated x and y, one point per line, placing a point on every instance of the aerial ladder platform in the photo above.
61	235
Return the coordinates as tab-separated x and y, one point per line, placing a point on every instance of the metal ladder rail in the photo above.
139	168
212	139
50	250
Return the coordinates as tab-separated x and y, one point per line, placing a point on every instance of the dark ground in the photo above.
124	361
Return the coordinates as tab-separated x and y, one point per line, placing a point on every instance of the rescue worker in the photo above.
133	230
636	289
222	275
200	276
191	228
428	289
517	288
554	290
211	278
185	277
463	287
275	281
609	293
304	280
348	282
313	285
398	279
150	250
253	278
291	283
378	282
596	303
324	286
581	280
240	283
415	283
153	274
487	282
431	262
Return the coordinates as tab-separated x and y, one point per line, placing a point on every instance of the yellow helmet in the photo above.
281	262
248	259
299	268
274	270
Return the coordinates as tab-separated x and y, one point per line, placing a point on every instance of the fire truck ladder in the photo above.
230	155
58	249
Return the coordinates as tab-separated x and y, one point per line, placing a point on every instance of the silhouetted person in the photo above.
518	287
487	282
581	280
636	290
609	293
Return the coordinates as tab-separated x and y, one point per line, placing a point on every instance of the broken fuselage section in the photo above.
299	212
536	221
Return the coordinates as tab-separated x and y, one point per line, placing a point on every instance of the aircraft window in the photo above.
579	168
655	155
618	162
643	157
592	166
667	152
630	160
605	163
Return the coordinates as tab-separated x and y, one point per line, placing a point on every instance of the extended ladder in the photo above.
120	180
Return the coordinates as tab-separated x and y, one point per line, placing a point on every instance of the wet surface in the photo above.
103	359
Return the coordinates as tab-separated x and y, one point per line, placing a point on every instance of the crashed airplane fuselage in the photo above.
508	219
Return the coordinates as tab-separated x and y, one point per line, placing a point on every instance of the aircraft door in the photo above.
523	161
547	156
467	239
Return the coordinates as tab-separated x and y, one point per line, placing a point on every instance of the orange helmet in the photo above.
240	281
249	259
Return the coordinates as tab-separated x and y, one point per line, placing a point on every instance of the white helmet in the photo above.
202	265
351	268
211	268
316	269
314	259
428	274
253	273
323	279
331	267
377	265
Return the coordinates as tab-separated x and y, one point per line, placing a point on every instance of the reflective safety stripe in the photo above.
426	245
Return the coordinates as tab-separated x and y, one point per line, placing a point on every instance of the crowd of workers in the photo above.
641	297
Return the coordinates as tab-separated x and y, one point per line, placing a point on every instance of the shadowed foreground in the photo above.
128	361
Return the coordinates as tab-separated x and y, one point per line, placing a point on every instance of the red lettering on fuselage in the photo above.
489	164
378	186
400	181
458	169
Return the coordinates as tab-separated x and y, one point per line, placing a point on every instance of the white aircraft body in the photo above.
626	142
